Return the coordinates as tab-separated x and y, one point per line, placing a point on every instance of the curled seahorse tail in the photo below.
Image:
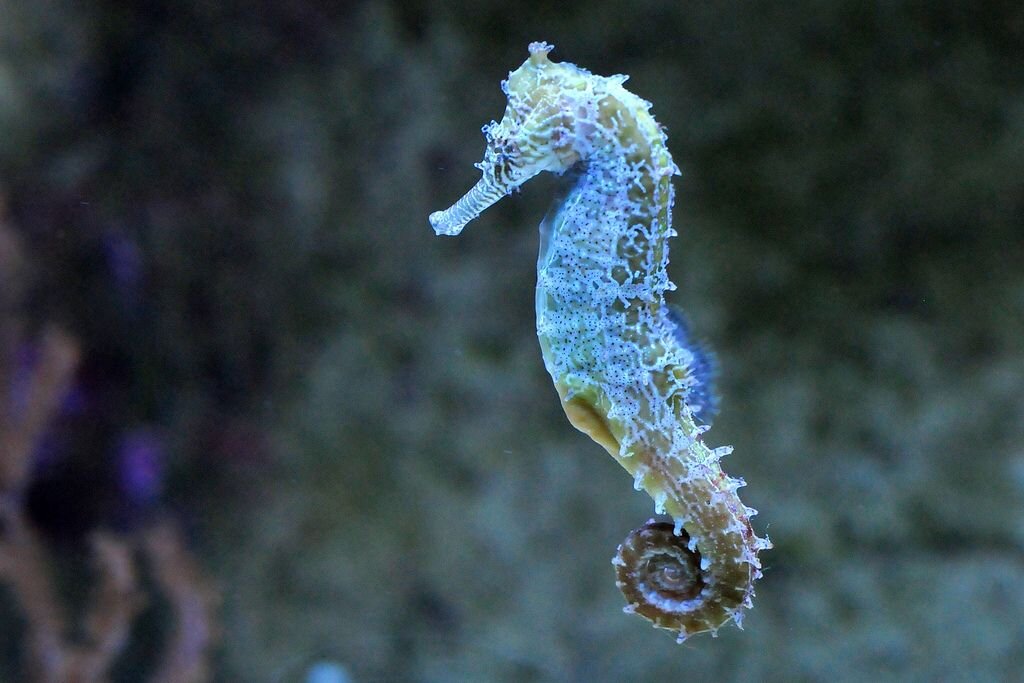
662	579
697	572
665	579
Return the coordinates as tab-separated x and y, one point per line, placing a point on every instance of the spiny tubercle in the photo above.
620	357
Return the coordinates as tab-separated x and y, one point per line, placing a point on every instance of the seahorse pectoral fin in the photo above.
452	220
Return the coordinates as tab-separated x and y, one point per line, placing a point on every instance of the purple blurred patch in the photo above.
141	460
75	401
26	357
124	258
26	362
49	452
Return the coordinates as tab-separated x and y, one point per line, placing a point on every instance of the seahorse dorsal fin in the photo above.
703	396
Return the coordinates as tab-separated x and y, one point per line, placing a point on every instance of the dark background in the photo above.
226	204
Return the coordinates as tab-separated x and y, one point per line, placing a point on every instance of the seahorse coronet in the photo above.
624	366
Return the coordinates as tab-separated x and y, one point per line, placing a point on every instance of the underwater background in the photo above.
260	424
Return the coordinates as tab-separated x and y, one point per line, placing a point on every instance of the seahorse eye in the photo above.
510	149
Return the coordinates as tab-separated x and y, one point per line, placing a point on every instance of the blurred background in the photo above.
259	424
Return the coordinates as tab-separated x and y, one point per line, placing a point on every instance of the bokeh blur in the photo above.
259	424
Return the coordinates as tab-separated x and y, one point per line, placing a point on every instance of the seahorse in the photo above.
623	362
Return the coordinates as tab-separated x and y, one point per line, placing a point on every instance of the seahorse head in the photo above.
537	133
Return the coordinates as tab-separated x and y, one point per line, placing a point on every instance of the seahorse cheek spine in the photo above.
608	338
